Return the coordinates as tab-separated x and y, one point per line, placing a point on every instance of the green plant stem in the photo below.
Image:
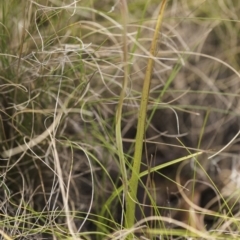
121	99
133	182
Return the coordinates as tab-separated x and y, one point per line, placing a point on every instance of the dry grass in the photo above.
61	71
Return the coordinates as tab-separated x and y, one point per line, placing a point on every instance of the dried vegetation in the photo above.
61	73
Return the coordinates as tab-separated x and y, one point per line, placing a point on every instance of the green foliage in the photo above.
102	124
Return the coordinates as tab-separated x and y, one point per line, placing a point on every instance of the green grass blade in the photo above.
133	182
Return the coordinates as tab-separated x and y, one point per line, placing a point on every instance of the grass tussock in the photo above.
71	79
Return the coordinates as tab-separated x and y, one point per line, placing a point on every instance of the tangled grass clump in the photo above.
71	79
